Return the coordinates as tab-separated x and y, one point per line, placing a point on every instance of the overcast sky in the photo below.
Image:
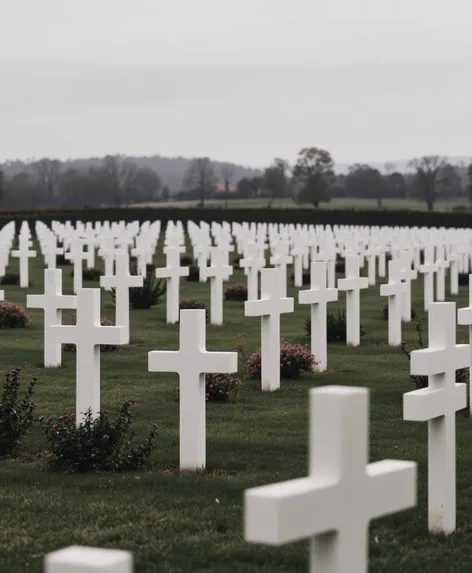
244	81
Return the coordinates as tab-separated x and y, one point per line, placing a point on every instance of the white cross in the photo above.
428	270
464	317
407	274
52	301
441	265
122	281
437	404
23	254
252	264
353	284
87	335
317	296
51	250
334	505
395	289
217	273
191	362
77	255
172	273
271	305
281	259
78	559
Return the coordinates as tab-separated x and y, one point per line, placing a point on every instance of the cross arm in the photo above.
288	511
428	403
221	362
165	361
391	486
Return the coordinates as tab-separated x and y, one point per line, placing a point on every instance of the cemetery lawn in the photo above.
178	523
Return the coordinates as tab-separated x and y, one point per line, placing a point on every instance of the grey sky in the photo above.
369	80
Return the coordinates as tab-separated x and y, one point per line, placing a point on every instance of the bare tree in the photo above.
200	176
426	177
227	172
47	173
275	179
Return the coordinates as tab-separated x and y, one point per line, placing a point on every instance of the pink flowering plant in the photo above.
13	315
236	292
295	360
220	387
97	444
103	347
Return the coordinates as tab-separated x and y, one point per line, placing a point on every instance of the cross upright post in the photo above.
191	362
23	254
394	290
271	305
52	302
217	272
87	335
77	255
437	404
428	269
334	505
251	263
317	296
122	281
464	317
172	273
353	284
407	274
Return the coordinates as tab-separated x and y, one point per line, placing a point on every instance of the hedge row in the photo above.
403	218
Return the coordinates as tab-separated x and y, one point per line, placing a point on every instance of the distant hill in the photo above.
171	170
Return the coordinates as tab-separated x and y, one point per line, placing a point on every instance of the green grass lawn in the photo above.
340	203
178	523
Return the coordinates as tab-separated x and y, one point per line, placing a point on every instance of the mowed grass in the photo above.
186	522
337	203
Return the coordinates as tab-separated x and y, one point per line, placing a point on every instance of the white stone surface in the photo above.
191	362
122	281
334	505
395	290
317	296
87	335
78	559
270	306
52	302
353	284
437	404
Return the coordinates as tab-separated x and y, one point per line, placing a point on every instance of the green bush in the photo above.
236	292
13	316
10	279
186	260
193	274
463	279
16	417
335	326
96	445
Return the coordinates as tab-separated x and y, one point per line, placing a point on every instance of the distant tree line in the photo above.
120	181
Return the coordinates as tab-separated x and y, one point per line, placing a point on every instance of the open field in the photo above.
341	203
193	522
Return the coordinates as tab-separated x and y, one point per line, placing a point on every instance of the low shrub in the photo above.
236	292
295	359
13	315
235	261
463	279
68	347
10	279
462	375
385	312
306	277
340	264
186	260
89	274
193	273
191	303
335	326
148	295
16	416
61	261
97	444
220	387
